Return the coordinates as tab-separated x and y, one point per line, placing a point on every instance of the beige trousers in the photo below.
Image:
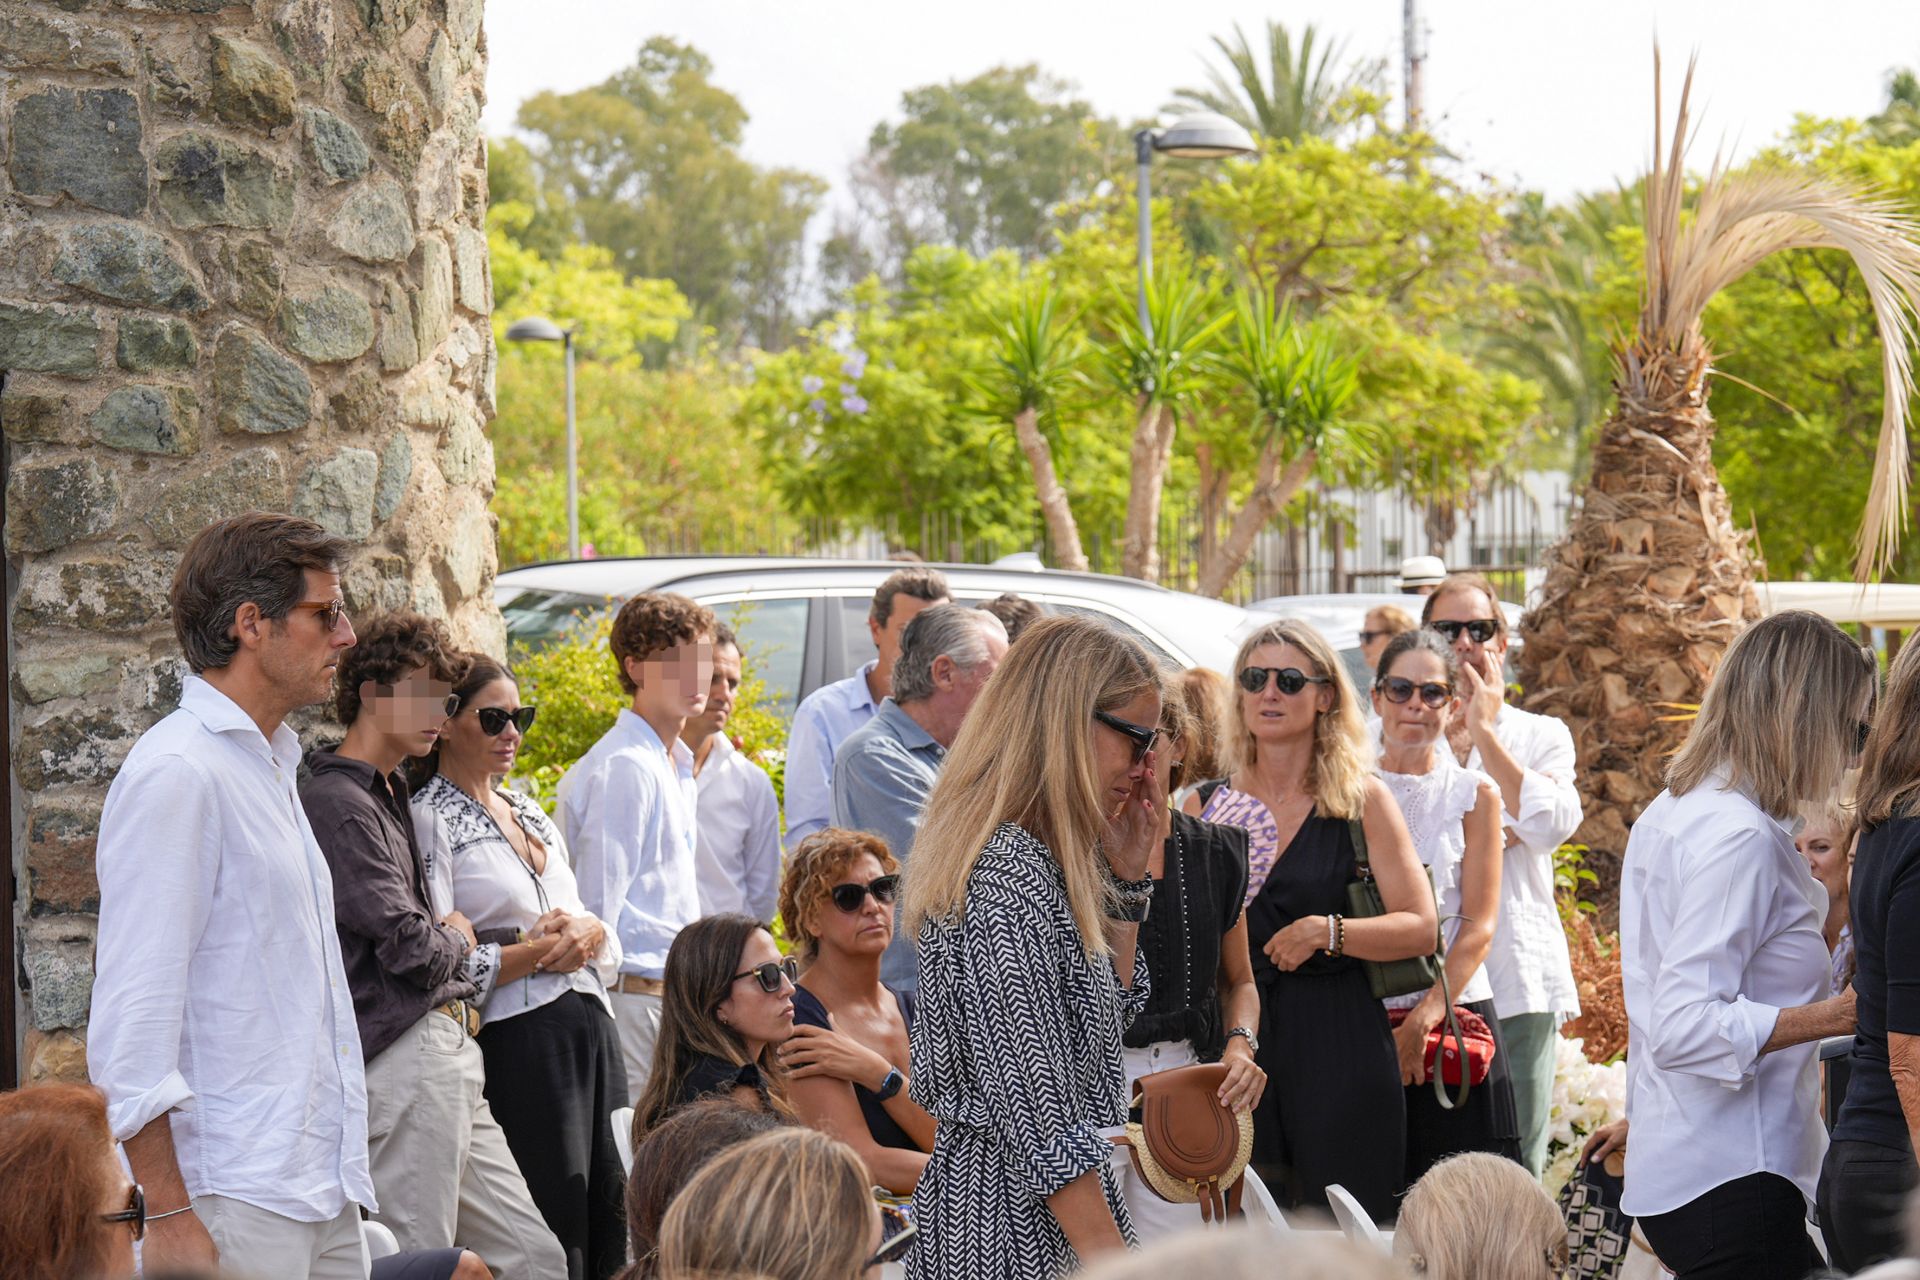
441	1167
256	1242
638	1018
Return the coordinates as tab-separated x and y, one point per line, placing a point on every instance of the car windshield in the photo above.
536	619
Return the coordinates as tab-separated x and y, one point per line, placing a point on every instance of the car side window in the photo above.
856	642
773	638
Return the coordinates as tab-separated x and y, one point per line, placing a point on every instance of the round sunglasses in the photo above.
1290	679
851	897
1480	630
1398	689
134	1215
768	975
494	720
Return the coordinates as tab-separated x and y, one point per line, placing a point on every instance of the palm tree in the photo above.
1278	94
1036	358
1652	579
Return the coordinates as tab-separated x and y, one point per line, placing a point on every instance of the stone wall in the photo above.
242	265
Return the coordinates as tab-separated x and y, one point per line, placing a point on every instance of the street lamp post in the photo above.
541	329
1204	135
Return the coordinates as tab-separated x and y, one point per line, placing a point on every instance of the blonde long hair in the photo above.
1480	1217
1889	780
1337	773
1781	713
1025	755
788	1205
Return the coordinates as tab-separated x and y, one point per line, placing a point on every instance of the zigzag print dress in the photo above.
1016	1055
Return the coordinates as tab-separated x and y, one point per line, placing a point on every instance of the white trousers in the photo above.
638	1018
257	1242
1153	1218
440	1163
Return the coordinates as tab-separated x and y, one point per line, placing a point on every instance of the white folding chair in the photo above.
1354	1221
1258	1204
623	1137
380	1241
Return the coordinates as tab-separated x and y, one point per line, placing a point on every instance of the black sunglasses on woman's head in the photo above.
494	720
1144	739
1398	689
1290	679
851	897
768	975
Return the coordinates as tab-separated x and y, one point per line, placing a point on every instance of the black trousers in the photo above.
554	1080
1753	1228
1863	1187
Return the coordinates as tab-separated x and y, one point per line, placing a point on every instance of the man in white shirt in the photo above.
832	712
628	809
223	1031
737	834
1531	759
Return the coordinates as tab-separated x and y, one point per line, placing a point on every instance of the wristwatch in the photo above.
1253	1041
891	1085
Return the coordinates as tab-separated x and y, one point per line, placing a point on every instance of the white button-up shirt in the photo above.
219	993
1719	931
738	836
827	718
1528	963
627	810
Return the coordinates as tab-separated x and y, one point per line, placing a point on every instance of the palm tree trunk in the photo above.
1272	488
1061	528
1642	596
1152	451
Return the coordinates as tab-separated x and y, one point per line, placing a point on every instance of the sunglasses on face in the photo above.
1397	689
898	1233
1290	679
135	1213
1480	629
494	720
328	611
1368	637
1143	738
851	897
768	975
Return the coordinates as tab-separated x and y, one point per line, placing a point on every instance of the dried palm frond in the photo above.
1740	220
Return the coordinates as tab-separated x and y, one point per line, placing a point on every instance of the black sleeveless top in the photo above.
886	1131
1309	878
1195	901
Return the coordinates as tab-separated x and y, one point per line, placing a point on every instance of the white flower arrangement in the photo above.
1586	1095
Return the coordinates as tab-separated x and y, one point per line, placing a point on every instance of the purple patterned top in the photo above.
1238	809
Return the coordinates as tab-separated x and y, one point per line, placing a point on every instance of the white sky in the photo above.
1548	94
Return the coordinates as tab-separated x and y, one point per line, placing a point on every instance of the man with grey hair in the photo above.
884	772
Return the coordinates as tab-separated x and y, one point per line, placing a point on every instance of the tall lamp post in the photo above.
541	329
1205	135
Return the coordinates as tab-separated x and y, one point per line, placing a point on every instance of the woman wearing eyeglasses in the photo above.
847	1059
552	1053
1334	1110
66	1207
1453	815
727	1005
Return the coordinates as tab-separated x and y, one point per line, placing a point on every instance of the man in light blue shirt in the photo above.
885	770
627	808
832	712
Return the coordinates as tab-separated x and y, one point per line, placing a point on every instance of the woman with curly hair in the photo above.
848	1055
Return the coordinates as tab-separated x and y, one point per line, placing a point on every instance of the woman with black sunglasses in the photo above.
554	1071
1333	1111
727	1005
1453	814
847	1060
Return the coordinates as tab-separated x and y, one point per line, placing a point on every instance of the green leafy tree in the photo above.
1278	90
1036	363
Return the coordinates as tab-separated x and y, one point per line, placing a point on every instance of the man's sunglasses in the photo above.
851	897
135	1213
1143	738
1480	629
1290	679
768	975
898	1232
494	720
328	611
1397	689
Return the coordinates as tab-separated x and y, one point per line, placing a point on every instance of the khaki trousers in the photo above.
441	1167
256	1242
638	1018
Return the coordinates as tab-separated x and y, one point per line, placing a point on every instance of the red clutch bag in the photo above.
1473	1048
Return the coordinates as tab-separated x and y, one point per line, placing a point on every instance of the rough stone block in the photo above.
469	556
152	342
52	504
46	676
399	344
372	225
28	418
396	469
361	403
258	389
49	340
29	39
463	24
335	146
174	85
60	842
55	1057
255	277
328	327
249	87
248	480
338	494
388	19
464	454
433	309
148	419
116	595
443	72
384	86
84	143
126	262
471	279
86	747
58	959
210	182
304	31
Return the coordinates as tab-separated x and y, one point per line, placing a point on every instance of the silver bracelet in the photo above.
1330	928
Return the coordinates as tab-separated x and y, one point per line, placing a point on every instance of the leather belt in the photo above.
464	1013
632	984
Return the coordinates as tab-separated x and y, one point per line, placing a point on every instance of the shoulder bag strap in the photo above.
1452	1025
1358	831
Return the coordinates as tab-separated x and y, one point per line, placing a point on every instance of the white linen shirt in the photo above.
737	836
825	719
1528	962
219	993
1719	931
627	809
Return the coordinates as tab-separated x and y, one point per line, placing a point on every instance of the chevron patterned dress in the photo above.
1016	1055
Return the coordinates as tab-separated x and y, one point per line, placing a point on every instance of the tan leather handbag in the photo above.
1189	1148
